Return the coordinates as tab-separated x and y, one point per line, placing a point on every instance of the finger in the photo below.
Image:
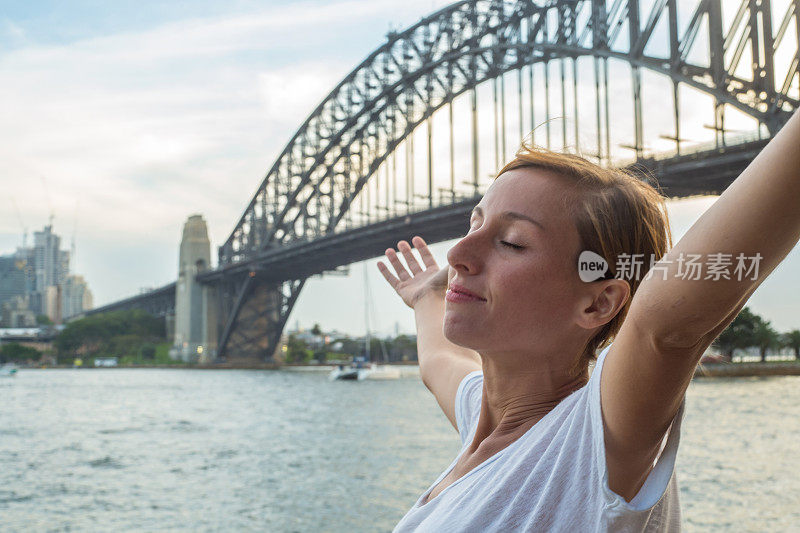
405	249
424	252
402	273
393	281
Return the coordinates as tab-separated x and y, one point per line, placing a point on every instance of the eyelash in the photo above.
506	243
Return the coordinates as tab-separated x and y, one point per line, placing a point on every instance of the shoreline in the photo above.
707	370
733	370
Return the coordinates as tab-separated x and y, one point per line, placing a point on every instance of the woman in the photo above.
505	336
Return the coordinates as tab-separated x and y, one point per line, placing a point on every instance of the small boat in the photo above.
361	368
358	370
8	370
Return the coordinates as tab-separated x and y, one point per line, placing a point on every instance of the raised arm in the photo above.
442	364
758	216
674	317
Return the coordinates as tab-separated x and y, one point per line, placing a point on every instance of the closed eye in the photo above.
512	245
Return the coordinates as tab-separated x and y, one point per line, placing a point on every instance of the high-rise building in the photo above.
16	286
51	264
75	296
51	300
62	267
12	278
41	275
50	270
14	313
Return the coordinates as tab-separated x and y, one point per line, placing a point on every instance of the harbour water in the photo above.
190	450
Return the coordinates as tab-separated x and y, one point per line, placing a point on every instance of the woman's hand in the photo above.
420	282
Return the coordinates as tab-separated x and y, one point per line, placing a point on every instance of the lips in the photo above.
458	289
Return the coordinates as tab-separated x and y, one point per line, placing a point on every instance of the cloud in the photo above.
142	128
147	127
12	32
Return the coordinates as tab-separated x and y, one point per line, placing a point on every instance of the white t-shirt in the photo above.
553	478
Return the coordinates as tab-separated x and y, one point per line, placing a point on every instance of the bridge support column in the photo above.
254	314
195	337
210	323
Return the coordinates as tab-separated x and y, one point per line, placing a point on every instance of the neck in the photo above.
520	391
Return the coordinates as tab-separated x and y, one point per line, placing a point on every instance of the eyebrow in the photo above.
510	215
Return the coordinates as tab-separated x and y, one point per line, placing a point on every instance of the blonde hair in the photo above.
615	213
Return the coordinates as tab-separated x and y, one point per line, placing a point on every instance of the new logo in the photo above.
591	266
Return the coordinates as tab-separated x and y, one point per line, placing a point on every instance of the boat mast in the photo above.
366	311
369	309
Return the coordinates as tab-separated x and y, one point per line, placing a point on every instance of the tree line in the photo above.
400	348
135	336
751	330
138	337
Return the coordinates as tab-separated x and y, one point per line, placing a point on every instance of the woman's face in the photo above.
520	258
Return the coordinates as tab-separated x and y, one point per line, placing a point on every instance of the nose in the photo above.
465	256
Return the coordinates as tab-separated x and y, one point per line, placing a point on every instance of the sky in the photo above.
121	119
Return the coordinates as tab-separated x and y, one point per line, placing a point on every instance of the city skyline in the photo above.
36	280
122	121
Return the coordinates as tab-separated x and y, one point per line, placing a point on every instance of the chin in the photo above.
460	332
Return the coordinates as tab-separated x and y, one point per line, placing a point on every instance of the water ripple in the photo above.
193	451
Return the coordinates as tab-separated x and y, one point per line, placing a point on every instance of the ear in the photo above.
603	302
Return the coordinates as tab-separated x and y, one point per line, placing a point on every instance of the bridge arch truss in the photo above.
314	183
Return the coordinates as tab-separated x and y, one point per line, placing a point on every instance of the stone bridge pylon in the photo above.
195	337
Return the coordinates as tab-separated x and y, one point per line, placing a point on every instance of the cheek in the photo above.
536	293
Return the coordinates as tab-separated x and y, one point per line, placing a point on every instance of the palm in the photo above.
418	280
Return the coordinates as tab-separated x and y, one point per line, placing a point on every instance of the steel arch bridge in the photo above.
744	60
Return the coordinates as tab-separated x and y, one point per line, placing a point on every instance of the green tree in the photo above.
403	346
792	340
739	333
296	350
765	337
15	351
115	333
43	320
375	349
147	351
316	330
348	346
